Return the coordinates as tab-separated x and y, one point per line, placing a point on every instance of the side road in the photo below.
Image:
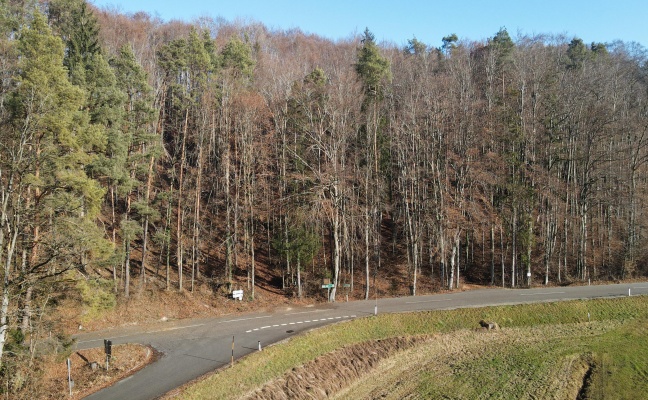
191	348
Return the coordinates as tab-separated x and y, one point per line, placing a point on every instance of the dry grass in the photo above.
126	360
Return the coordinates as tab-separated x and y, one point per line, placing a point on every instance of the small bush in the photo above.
98	297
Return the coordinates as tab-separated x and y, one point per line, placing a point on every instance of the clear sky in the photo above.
397	21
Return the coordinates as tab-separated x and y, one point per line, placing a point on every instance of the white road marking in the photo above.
539	294
302	322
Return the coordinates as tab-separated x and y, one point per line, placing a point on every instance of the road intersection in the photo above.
192	348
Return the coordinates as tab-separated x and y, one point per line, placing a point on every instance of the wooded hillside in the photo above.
139	153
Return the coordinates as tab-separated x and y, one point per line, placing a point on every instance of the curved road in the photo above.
191	348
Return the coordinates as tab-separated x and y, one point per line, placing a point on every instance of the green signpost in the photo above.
328	287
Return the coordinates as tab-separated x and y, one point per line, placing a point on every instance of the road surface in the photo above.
191	348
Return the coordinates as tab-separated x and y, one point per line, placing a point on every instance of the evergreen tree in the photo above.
449	43
576	54
79	28
142	147
503	46
53	201
236	57
372	67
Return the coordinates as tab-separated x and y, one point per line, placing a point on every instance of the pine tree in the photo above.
142	145
52	199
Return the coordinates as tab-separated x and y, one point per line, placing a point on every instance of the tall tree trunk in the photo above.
452	266
366	234
127	266
149	184
179	213
492	251
337	241
114	232
514	247
8	256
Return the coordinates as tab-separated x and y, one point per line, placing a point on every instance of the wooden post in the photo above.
70	382
108	350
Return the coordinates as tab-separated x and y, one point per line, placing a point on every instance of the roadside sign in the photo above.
237	294
328	286
347	285
108	347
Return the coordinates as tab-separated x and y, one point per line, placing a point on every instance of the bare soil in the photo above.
327	375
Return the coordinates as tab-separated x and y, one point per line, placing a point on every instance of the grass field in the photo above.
588	349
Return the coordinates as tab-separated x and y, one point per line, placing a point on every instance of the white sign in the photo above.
237	294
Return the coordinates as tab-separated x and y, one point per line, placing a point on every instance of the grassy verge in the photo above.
629	314
599	360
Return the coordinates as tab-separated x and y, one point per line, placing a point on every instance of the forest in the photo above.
138	153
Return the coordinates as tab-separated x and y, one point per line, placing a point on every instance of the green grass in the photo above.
631	315
618	358
621	363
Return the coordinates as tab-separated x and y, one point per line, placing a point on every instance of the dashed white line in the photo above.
301	322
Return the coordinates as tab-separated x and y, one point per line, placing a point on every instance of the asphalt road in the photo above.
191	348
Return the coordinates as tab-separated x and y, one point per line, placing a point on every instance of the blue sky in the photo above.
397	21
